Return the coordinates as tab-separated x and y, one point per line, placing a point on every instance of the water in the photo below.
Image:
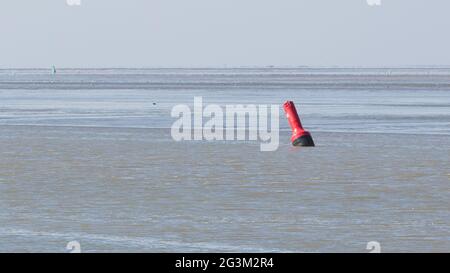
86	155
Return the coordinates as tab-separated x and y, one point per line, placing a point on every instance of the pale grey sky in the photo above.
149	33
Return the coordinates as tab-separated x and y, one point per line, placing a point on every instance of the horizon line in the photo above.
237	67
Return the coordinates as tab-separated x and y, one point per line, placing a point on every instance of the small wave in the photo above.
143	242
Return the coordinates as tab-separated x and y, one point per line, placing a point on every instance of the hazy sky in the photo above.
149	33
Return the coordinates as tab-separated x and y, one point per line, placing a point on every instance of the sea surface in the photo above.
87	155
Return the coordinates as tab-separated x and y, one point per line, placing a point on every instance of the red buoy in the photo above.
300	137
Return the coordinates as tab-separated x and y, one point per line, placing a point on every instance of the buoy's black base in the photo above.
305	141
